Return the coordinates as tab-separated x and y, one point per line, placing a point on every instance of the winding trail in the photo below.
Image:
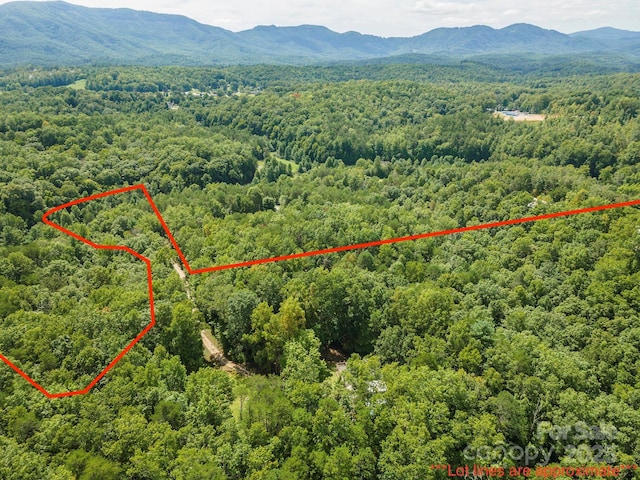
183	277
214	354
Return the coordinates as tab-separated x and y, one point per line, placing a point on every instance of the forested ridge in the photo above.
59	33
459	347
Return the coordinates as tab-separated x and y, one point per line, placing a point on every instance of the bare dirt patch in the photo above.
214	354
521	116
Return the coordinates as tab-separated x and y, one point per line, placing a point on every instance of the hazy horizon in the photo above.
400	18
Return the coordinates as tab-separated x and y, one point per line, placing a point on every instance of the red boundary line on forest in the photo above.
141	187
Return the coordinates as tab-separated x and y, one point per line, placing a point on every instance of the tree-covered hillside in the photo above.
60	33
460	350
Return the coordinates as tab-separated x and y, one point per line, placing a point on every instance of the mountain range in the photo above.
56	32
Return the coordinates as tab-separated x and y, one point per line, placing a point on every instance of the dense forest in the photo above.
507	347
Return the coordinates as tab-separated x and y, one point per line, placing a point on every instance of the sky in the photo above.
387	18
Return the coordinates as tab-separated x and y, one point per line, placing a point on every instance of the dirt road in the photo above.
216	355
213	354
183	277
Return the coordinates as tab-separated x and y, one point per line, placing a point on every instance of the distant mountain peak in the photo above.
607	33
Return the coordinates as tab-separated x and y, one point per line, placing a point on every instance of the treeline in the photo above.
500	69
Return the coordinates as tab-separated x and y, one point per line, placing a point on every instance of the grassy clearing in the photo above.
235	408
293	165
79	85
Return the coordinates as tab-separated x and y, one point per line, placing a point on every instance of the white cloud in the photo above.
442	8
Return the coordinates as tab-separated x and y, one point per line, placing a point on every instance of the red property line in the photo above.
143	189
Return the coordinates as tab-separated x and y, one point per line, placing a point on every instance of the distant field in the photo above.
79	85
294	166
